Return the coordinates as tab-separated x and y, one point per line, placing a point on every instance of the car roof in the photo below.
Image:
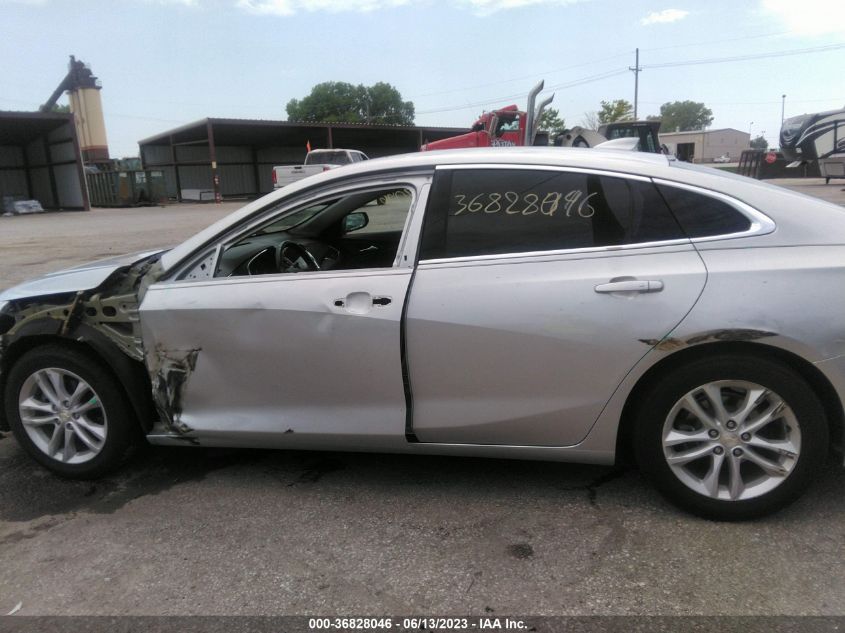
595	158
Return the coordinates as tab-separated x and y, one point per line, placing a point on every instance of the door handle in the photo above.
361	302
631	285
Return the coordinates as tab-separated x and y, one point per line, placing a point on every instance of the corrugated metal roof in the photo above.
246	124
17	128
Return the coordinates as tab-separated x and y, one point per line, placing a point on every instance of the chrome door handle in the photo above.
631	285
361	302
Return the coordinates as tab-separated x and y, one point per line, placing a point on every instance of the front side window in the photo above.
474	212
350	231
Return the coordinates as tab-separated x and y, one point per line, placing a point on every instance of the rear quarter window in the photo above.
703	216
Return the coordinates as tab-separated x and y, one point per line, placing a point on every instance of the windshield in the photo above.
327	158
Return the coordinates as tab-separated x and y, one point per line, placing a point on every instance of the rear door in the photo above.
536	291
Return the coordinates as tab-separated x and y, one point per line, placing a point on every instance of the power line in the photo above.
572	84
720	41
616	72
522	78
832	99
741	58
596	61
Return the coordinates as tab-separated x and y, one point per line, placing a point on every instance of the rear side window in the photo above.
495	211
703	216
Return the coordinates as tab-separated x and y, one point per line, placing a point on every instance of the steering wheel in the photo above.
295	257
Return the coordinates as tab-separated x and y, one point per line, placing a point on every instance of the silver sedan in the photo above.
579	305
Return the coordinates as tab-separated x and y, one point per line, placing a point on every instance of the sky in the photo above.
164	63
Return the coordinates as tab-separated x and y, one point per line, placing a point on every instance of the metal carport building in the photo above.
40	160
241	153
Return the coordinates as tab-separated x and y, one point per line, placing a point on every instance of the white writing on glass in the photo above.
527	204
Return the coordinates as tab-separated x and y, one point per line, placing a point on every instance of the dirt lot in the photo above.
36	244
194	531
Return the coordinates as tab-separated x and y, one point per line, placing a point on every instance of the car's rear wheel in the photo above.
731	438
68	412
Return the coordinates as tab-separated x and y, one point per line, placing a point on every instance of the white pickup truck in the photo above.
316	161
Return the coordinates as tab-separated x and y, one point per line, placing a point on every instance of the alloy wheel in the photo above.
731	440
63	415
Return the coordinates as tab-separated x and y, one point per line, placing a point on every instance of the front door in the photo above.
295	354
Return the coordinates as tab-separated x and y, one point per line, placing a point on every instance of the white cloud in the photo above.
486	7
808	17
187	3
290	7
664	17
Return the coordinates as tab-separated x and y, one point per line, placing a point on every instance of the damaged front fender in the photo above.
104	317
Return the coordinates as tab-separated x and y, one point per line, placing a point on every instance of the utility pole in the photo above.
637	70
782	108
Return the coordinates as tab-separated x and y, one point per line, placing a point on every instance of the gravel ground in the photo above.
200	531
31	245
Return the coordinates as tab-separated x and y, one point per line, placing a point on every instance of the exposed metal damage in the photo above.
731	336
107	313
169	372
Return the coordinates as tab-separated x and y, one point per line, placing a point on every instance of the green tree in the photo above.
341	102
683	116
760	143
551	122
617	110
384	105
62	109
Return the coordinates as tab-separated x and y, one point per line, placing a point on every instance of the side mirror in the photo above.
355	221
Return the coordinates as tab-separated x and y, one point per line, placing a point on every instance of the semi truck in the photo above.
510	126
505	127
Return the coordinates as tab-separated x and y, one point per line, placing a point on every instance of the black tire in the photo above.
656	405
122	430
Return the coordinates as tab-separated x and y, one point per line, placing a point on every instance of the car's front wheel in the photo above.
731	438
68	412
